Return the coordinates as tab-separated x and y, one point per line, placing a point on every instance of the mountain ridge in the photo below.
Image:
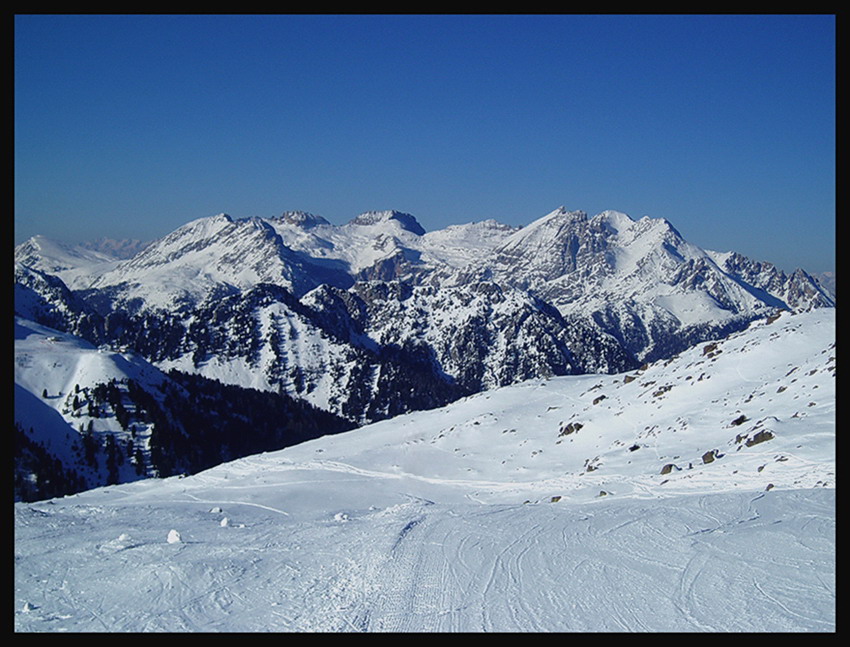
558	246
625	292
376	318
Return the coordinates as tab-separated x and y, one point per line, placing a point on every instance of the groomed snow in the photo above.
491	514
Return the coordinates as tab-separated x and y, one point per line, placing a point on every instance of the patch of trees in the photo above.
198	422
223	422
38	474
194	422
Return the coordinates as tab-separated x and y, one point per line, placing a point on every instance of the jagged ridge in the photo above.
338	314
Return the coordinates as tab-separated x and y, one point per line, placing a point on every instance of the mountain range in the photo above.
377	317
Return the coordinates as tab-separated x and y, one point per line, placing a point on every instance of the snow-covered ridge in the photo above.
42	253
75	264
204	256
404	220
55	374
751	412
574	261
565	294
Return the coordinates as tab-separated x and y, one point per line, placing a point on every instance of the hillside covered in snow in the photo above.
87	416
695	494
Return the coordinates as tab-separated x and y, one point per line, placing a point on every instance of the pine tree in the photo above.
90	447
111	450
140	462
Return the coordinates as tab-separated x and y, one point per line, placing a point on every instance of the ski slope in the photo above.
666	510
712	562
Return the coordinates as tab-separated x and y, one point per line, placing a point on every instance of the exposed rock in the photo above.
710	456
760	437
570	428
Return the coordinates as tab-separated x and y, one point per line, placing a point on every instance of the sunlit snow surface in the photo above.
491	514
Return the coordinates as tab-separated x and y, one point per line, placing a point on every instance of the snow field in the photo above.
490	514
728	562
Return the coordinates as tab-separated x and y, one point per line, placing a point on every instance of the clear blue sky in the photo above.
130	126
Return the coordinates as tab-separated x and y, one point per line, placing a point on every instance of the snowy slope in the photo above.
53	371
47	359
53	256
695	495
76	265
515	443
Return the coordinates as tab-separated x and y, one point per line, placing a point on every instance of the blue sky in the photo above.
130	126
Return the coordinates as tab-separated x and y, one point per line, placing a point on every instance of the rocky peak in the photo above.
302	219
405	220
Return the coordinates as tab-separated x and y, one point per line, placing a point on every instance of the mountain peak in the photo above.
405	220
302	219
563	212
615	220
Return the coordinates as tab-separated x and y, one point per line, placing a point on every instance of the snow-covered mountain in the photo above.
570	260
696	493
641	282
377	316
209	256
61	423
88	416
61	259
826	280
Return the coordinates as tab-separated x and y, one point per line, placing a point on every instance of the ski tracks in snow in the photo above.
419	566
